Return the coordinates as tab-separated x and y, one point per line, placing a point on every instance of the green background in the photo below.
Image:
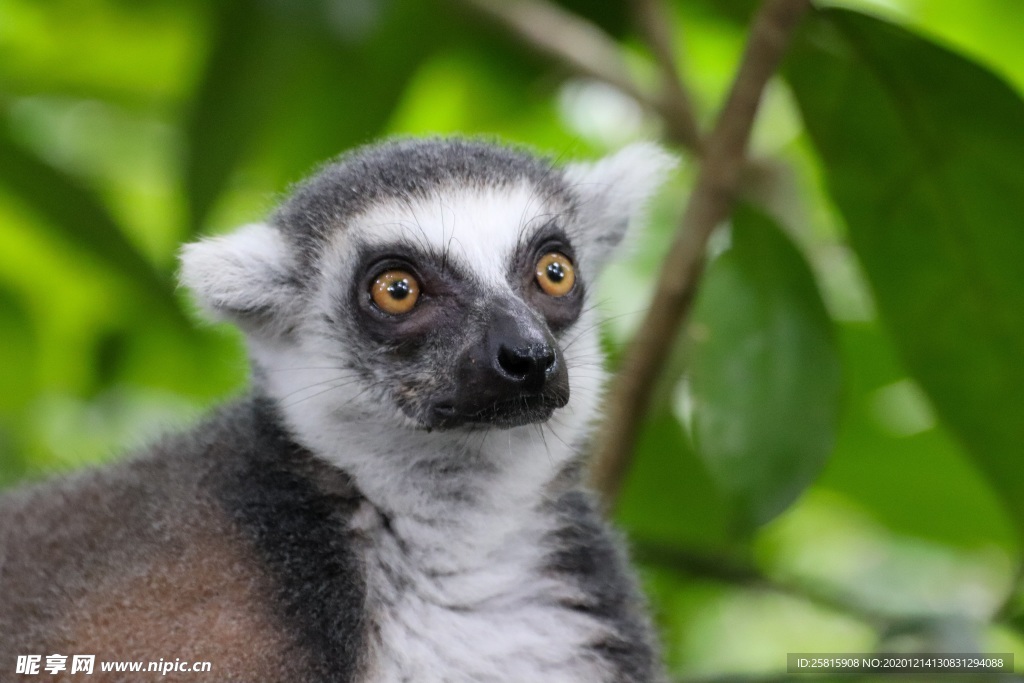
833	462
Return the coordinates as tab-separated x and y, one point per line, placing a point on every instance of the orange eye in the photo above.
395	291
555	274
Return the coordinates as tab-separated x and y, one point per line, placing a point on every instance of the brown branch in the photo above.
676	105
709	205
588	51
581	45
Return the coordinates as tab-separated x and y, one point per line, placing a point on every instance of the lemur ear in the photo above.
613	192
247	277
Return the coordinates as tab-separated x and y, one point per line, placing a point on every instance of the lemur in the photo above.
398	497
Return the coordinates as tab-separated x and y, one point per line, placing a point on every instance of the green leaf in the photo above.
906	478
923	155
765	370
18	373
20	344
77	215
668	497
243	72
291	85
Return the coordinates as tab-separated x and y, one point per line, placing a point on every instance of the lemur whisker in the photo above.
547	449
571	448
315	385
302	369
315	395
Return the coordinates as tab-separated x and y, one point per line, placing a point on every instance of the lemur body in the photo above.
398	499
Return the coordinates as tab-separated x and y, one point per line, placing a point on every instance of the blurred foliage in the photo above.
833	461
764	359
923	151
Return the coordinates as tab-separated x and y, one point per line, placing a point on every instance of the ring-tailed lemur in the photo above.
398	498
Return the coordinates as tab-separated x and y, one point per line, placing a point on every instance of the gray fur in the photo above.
402	169
348	533
237	480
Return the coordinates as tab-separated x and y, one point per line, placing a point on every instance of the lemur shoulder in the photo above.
398	497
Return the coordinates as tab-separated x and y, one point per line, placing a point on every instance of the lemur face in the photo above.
437	284
461	304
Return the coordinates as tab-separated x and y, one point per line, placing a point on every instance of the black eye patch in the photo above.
559	311
440	294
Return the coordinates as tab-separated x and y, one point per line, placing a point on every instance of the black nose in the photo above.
514	375
529	365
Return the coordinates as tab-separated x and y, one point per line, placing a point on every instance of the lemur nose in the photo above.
530	364
514	375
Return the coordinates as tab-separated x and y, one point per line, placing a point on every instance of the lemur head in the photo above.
436	284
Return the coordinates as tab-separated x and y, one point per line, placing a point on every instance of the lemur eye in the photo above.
395	291
555	274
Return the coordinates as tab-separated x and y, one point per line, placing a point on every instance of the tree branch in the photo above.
576	42
709	205
676	105
589	51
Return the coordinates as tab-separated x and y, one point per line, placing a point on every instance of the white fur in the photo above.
480	228
615	191
248	268
463	593
488	617
488	552
454	573
347	422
